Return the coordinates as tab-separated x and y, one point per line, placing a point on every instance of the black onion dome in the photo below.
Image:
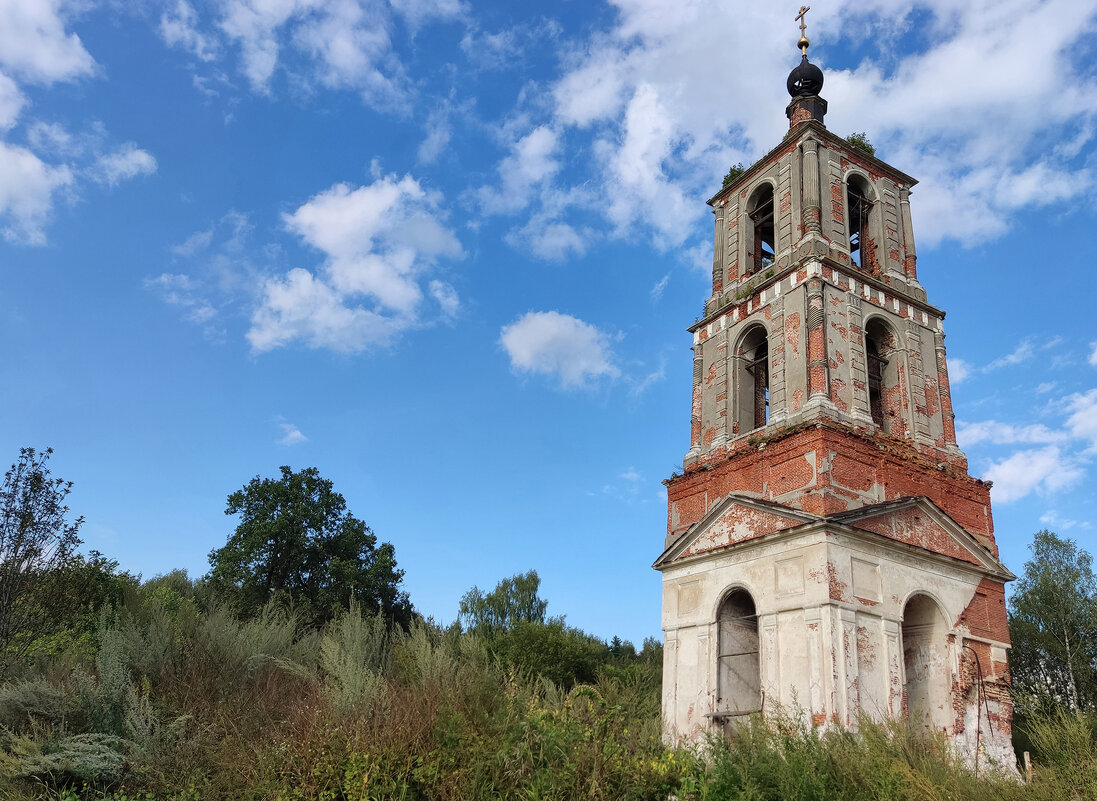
805	80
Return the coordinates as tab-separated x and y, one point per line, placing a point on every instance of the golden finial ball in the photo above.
803	43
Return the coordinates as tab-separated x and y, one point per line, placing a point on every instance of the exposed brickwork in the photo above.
824	469
911	526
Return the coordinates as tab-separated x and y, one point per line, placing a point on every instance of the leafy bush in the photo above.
860	141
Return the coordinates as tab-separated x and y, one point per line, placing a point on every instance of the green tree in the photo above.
565	655
297	543
1053	625
35	539
513	600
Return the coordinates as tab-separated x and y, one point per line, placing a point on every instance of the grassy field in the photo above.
164	701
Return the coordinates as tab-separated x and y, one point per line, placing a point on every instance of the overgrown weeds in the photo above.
178	703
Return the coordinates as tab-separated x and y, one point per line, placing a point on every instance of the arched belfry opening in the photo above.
926	686
883	367
761	241
738	671
752	380
859	202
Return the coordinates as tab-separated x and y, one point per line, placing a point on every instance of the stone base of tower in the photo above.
833	617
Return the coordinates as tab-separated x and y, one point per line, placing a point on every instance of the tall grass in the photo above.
175	703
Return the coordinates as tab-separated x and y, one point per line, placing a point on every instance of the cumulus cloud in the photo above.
1043	470
661	121
179	27
958	370
378	242
291	434
27	188
532	161
126	162
341	44
11	102
1082	417
558	345
991	431
34	45
1022	353
36	49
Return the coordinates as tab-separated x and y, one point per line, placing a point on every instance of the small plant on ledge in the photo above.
860	141
733	174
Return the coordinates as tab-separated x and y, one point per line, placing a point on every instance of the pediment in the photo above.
921	523
735	519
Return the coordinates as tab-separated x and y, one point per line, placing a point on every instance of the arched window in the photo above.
882	363
760	241
859	203
752	380
926	663
738	671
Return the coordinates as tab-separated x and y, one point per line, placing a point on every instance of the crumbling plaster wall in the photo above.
830	615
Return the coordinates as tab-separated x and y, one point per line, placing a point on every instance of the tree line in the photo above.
297	667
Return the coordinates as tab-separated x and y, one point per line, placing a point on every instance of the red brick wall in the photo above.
823	468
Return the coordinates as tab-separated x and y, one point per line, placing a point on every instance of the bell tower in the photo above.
827	551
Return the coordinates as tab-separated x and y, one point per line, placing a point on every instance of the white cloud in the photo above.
531	162
291	435
1093	354
345	43
301	307
179	28
1022	353
1082	420
958	370
54	139
1044	470
34	45
968	434
27	188
446	297
1055	520
199	240
179	289
126	162
419	12
11	102
660	286
378	241
663	120
558	345
438	135
1045	387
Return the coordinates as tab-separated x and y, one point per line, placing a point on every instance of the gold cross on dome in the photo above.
803	28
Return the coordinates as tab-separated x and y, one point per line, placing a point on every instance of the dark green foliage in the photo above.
733	174
297	544
71	597
564	655
1053	626
514	600
860	141
35	538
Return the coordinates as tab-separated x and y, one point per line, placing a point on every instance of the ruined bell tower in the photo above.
827	552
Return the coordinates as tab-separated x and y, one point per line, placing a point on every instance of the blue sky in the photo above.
447	252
